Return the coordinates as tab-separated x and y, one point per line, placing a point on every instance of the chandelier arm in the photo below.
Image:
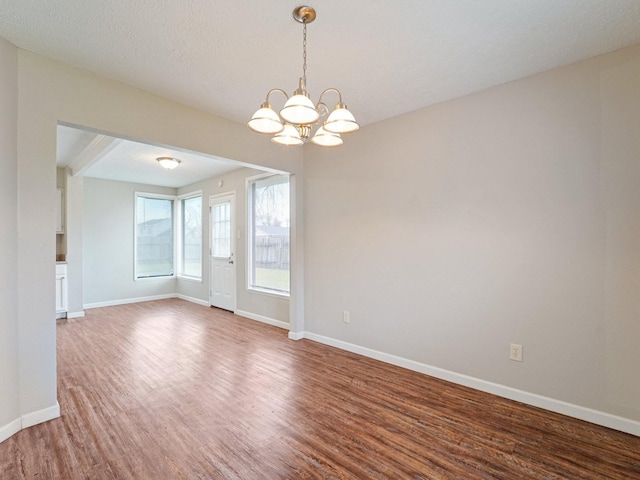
276	90
322	108
331	90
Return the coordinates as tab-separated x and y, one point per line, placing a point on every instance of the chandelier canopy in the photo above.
293	125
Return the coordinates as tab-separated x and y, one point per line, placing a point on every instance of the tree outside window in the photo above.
269	240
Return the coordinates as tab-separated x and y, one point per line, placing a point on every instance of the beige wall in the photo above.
620	197
73	240
50	92
106	211
506	216
248	302
108	244
9	378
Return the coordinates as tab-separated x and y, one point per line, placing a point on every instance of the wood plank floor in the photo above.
173	390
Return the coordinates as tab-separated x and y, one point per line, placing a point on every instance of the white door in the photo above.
222	291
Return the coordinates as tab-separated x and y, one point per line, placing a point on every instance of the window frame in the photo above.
180	236
158	196
249	284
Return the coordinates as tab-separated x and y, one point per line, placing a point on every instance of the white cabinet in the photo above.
60	210
61	290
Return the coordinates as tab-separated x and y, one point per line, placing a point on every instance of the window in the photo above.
153	236
191	235
269	234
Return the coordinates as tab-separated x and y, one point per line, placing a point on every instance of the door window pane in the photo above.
221	241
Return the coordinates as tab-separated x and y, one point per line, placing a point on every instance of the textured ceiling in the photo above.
387	57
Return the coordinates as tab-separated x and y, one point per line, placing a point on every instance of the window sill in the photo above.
190	279
270	293
159	277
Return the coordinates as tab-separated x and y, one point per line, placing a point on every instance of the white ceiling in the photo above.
386	57
96	155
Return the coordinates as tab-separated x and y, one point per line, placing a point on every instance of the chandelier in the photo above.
299	115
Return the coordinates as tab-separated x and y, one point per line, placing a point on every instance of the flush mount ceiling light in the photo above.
299	115
168	162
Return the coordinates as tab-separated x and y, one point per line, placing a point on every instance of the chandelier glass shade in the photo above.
296	120
288	136
299	110
341	120
325	138
265	120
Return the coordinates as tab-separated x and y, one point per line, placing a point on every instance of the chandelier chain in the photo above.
304	54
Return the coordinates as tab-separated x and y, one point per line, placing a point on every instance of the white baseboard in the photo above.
296	335
29	420
193	300
558	406
260	318
10	429
125	301
44	415
79	314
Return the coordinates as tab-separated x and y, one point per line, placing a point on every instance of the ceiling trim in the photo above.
93	153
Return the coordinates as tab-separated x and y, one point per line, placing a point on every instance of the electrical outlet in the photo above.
346	318
515	352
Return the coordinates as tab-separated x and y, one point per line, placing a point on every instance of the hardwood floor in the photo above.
173	390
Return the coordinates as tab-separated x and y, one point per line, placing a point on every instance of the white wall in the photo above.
108	244
510	215
255	304
9	378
